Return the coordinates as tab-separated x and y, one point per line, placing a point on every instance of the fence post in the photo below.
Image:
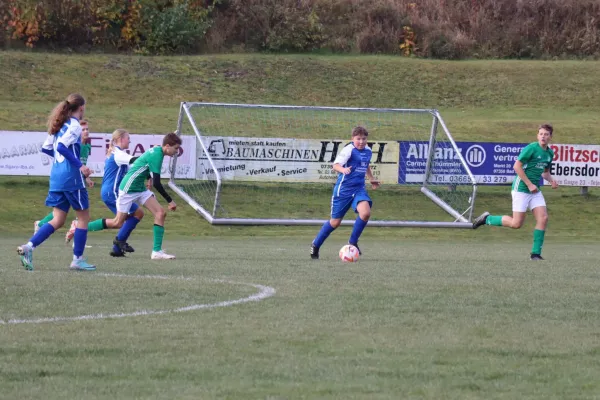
584	191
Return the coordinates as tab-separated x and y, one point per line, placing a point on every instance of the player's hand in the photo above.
85	171
346	171
554	185
89	182
375	183
172	206
532	188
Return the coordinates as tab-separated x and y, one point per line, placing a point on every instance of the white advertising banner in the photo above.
287	160
576	164
20	153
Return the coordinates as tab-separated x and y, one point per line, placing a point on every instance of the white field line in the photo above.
263	293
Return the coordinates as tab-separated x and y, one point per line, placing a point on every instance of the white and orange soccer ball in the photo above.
349	253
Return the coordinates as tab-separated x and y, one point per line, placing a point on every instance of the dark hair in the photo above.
83	122
62	112
171	139
360	131
547	127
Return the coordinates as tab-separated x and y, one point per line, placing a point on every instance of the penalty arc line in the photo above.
263	293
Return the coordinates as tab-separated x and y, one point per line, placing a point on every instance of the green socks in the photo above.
538	241
46	219
97	225
159	232
495	220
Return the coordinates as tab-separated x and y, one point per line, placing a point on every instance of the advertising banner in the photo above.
576	164
287	160
20	153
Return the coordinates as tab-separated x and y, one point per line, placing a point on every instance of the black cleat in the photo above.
314	252
357	248
128	248
536	257
481	220
121	244
117	253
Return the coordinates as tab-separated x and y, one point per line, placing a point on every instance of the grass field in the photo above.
425	314
412	319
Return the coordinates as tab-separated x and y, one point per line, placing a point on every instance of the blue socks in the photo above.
42	234
78	241
323	234
357	230
128	226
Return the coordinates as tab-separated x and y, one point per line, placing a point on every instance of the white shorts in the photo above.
524	201
125	200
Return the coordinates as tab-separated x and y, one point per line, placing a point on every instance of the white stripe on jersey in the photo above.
132	178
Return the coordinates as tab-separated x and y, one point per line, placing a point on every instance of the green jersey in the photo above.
84	153
535	161
149	162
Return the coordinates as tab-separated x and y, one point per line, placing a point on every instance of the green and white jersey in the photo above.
149	162
84	153
535	161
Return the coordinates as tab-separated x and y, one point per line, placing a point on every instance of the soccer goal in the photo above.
272	165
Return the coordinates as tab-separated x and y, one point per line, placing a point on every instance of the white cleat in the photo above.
161	255
36	227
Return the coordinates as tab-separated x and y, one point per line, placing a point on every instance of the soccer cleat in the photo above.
26	254
121	244
128	248
81	264
161	255
71	232
117	253
314	252
357	248
36	227
481	220
536	257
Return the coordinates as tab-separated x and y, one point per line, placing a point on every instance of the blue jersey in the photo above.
115	168
65	177
358	161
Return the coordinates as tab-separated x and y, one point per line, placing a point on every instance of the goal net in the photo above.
272	165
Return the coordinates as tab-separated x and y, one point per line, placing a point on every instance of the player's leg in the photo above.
362	206
520	203
159	228
135	216
59	216
80	203
540	212
38	224
339	207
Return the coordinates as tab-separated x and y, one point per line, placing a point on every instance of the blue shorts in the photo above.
111	203
341	204
78	199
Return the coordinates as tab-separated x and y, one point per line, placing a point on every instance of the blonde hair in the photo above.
116	135
63	111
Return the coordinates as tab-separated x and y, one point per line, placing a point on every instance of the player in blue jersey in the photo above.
352	165
67	181
115	167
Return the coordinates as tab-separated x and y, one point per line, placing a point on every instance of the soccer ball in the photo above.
349	253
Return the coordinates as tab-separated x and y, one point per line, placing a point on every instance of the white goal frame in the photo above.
461	220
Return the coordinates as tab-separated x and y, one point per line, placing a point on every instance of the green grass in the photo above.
411	319
480	100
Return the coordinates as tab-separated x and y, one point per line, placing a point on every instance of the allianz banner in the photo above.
286	160
492	163
20	153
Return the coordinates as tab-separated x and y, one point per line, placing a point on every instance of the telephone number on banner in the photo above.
461	179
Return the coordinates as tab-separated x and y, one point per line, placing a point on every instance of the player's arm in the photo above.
48	146
70	137
374	182
518	167
548	177
341	160
160	189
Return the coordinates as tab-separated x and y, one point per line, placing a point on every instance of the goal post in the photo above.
272	165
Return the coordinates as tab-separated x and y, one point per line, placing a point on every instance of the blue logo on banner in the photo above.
490	163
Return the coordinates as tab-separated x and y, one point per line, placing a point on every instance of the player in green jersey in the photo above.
532	164
133	189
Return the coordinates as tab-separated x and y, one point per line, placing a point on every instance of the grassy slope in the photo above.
487	100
